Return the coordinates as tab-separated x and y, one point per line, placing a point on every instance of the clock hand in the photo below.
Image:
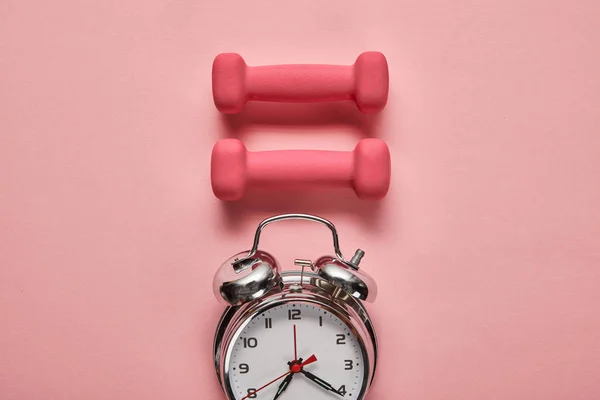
295	346
284	385
320	382
295	367
292	370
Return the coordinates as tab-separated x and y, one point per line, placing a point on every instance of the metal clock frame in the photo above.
306	287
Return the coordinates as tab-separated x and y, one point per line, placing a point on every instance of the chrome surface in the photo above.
303	264
356	283
356	259
244	263
261	278
316	291
251	275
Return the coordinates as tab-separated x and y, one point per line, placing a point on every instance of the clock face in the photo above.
296	351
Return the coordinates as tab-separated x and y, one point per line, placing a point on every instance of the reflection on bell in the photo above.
352	281
259	276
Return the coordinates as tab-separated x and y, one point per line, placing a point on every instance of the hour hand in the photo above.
320	382
283	386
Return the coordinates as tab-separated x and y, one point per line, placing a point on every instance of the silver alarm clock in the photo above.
294	335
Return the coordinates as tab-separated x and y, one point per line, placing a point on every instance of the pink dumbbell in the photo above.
366	169
366	82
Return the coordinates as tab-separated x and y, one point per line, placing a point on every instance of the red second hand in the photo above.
268	384
298	367
309	360
295	347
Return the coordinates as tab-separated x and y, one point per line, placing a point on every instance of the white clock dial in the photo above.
261	351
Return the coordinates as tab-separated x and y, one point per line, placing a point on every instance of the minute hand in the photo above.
320	382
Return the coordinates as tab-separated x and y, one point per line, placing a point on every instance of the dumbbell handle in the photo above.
300	83
294	167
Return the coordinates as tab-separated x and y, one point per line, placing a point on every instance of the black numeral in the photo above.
244	368
320	321
251	393
250	342
349	365
293	314
341	338
342	390
268	323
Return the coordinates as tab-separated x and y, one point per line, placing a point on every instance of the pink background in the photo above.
487	249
